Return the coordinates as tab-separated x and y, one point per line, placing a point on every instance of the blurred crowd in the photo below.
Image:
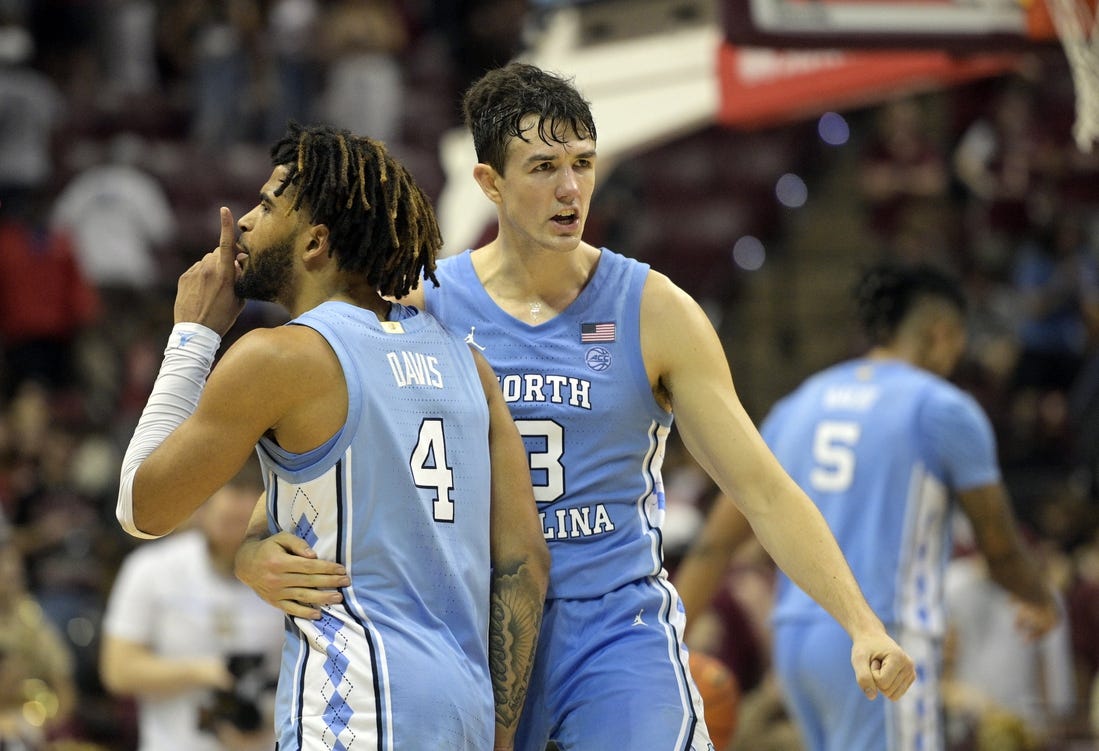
124	124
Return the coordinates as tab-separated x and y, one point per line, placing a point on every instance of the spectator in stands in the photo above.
1058	295
37	692
198	649
45	299
1083	613
1036	685
1003	160
127	47
68	550
223	36
32	110
290	36
364	88
903	172
121	221
483	34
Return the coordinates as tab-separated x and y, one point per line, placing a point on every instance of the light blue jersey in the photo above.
879	446
611	669
400	496
577	389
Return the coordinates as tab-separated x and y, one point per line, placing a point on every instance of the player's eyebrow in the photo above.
550	157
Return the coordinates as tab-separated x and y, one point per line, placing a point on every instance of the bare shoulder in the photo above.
668	313
296	353
662	297
676	336
281	343
289	379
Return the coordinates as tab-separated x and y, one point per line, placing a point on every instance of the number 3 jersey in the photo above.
400	496
577	389
879	445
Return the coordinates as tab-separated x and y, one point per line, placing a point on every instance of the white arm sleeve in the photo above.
187	361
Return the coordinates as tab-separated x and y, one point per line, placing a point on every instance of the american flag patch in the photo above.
597	332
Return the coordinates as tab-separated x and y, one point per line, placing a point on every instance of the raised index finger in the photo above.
227	246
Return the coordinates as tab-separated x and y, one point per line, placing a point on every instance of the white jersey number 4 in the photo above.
431	470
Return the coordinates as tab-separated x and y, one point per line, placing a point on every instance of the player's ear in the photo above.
316	243
488	178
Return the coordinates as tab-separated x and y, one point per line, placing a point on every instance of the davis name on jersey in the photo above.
414	369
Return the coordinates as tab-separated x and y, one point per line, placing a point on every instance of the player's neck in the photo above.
534	285
533	271
341	288
892	352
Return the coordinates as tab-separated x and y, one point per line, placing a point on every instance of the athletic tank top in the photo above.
400	496
577	389
880	446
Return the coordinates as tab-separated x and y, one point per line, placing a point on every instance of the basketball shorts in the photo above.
347	683
611	673
812	661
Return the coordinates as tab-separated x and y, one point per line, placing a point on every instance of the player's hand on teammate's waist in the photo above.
287	574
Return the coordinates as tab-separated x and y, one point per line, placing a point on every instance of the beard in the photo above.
267	275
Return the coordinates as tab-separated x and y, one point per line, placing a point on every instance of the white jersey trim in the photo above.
920	573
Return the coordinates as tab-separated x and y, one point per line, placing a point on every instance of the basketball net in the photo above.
1075	23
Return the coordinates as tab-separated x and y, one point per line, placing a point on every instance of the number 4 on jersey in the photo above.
431	470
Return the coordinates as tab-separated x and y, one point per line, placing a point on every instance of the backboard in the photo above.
953	25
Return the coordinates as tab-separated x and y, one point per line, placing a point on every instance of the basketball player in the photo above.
881	443
593	351
375	429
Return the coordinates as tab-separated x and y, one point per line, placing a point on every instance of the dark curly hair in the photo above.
495	105
886	293
380	222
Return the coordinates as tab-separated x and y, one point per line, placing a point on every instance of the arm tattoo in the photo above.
515	617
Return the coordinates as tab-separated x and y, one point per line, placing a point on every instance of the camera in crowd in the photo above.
240	706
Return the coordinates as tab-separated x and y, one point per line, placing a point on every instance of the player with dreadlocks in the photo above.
386	447
368	200
886	448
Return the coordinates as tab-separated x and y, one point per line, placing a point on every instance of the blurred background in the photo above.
759	152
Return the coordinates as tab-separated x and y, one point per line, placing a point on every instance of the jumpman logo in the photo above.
184	337
469	338
637	618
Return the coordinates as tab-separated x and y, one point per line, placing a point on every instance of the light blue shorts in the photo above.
611	673
813	663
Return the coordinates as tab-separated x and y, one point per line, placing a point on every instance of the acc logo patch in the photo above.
598	358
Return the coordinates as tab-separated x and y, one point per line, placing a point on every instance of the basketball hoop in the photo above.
1075	24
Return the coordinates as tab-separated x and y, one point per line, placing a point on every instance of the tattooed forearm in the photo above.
514	620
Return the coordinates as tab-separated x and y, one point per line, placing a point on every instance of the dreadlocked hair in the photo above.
380	223
888	292
495	106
